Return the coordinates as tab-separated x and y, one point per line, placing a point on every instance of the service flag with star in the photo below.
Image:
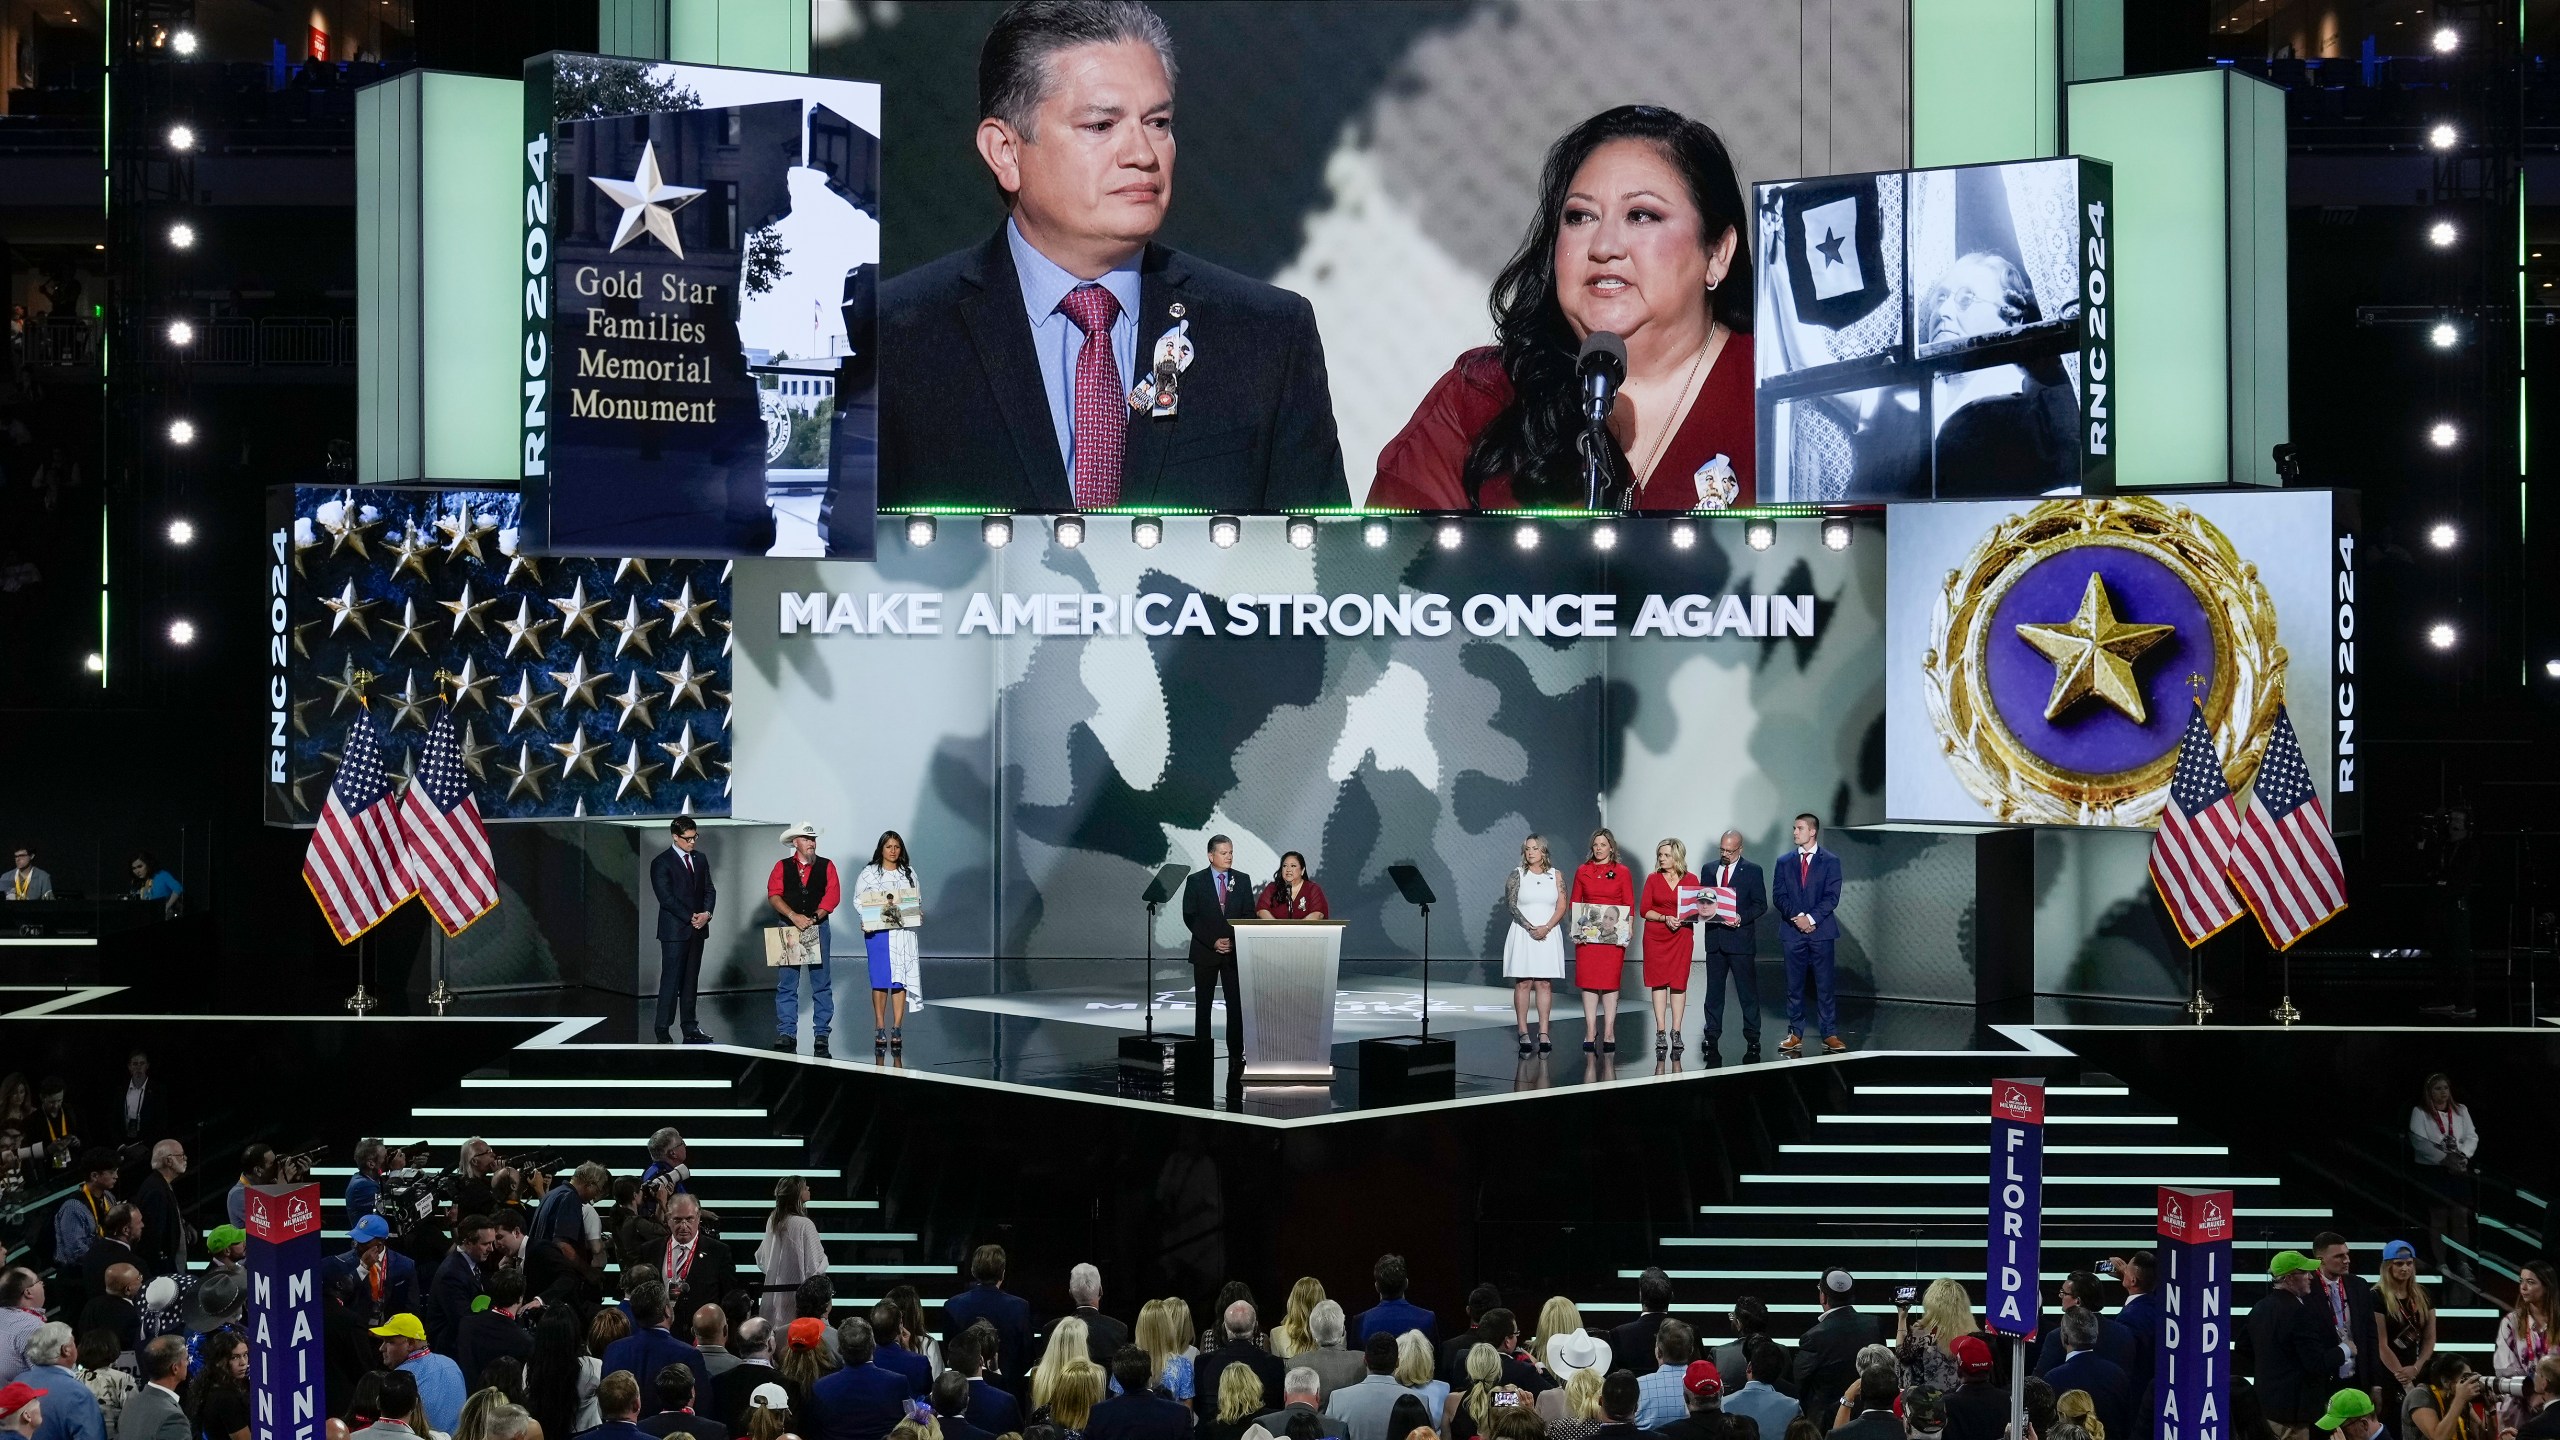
2286	862
2191	851
447	847
357	867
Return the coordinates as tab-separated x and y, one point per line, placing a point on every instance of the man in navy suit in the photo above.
652	1346
1138	1412
1212	901
375	1268
2083	1368
457	1283
1733	946
1198	387
1010	1315
681	876
861	1401
1805	890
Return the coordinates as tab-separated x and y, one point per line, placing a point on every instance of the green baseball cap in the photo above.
223	1237
2290	1262
2344	1406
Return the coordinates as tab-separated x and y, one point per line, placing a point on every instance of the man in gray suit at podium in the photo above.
1212	901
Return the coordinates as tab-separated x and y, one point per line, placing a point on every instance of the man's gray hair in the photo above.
2079	1328
1324	1323
1013	64
49	1343
1240	1319
1301	1381
752	1336
1733	835
368	1152
1084	1285
506	1422
663	1141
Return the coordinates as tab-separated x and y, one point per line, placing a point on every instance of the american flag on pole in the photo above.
2286	864
354	867
2191	852
448	848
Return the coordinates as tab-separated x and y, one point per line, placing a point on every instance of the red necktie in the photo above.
1804	870
1101	409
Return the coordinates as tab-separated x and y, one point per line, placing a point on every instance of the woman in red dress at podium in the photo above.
1293	896
1598	962
1670	944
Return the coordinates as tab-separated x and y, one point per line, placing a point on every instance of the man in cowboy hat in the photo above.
221	1298
804	890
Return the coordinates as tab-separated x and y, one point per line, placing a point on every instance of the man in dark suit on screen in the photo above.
681	876
1805	891
1212	901
1069	362
1733	946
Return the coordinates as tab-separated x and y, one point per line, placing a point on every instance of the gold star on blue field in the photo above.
2093	653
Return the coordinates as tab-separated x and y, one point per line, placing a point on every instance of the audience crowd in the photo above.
513	1304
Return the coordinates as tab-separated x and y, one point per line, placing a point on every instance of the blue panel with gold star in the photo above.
583	686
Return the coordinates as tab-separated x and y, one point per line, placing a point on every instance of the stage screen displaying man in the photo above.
1353	180
1069	362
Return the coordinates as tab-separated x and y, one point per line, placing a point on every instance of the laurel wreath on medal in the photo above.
2010	780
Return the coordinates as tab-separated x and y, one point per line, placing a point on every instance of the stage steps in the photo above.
744	1124
1892	1184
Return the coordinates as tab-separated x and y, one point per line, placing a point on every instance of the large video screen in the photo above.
1341	189
701	376
2042	656
580	687
1047	725
1934	333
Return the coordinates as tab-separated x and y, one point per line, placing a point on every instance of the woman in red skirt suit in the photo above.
1603	880
1670	944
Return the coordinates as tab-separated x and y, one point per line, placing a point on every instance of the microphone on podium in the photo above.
1601	368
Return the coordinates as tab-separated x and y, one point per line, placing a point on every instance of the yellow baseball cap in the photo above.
403	1325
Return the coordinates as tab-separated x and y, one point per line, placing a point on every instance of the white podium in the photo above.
1287	971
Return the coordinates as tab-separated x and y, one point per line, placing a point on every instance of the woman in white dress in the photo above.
1533	950
891	948
791	1251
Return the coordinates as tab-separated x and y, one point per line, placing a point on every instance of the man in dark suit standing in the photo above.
681	876
1010	1314
1733	946
1633	1340
458	1282
1068	362
1103	1336
2083	1368
1138	1412
2289	1346
1827	1356
1236	1328
1806	890
1212	901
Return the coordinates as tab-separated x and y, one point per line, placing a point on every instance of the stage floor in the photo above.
1056	1025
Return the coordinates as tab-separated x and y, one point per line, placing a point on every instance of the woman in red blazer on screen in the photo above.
1597	966
1639	233
1293	896
1670	944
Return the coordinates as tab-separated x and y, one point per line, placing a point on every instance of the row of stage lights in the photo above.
180	430
2446	335
1225	531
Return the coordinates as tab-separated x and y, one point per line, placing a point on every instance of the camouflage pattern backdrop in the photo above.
1042	780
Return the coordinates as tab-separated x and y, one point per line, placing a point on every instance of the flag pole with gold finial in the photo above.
440	995
362	1002
2197	1005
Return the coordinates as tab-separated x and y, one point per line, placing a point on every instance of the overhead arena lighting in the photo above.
1069	530
997	531
1225	531
1760	534
921	529
1146	531
1302	532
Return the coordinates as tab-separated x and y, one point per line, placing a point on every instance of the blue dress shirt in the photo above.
1057	341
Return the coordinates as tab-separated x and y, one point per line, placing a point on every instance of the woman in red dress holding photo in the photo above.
1598	962
1293	896
1670	944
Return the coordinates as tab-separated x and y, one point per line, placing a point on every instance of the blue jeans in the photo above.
1805	953
822	993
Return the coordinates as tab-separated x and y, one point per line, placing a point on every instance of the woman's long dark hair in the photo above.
551	1376
215	1371
1532	439
906	855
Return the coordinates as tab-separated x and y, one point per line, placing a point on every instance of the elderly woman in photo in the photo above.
2002	429
1638	233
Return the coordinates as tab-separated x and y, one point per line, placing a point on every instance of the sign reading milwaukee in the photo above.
650	348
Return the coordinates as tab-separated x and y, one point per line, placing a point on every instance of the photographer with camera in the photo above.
2542	1417
2446	1403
